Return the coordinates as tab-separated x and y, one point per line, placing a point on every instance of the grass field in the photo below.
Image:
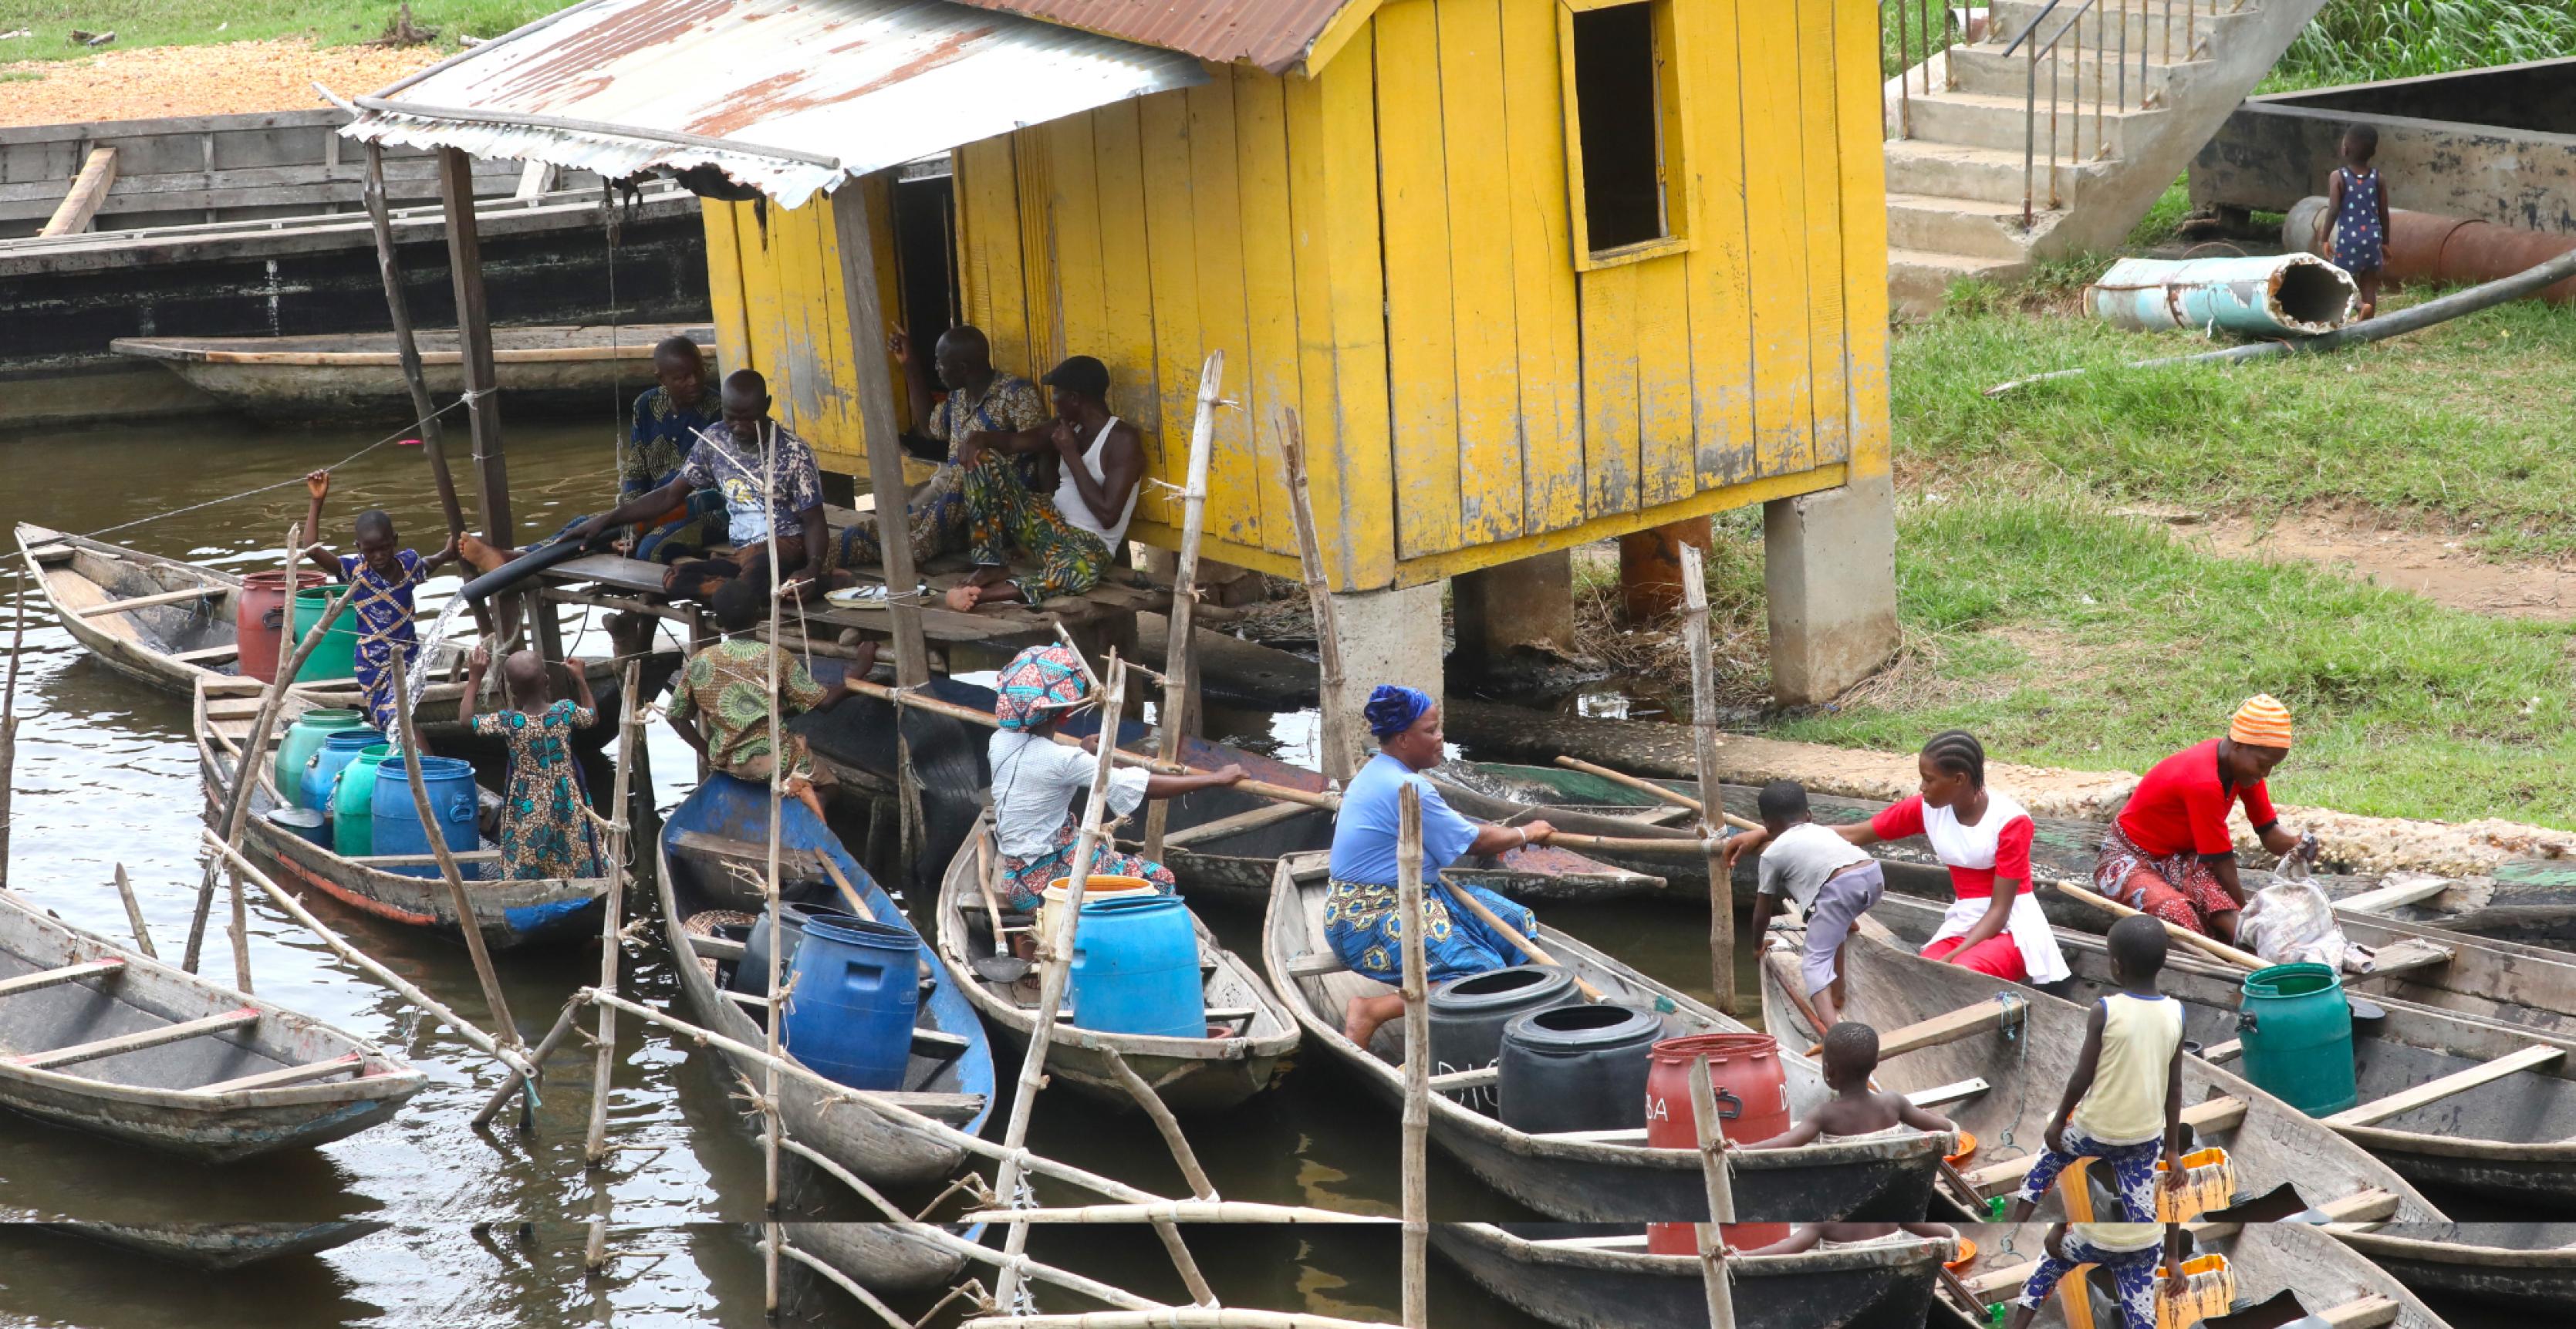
2359	41
197	22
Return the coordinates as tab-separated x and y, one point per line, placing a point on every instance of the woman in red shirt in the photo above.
2169	852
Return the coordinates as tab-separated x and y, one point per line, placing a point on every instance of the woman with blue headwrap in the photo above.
1360	916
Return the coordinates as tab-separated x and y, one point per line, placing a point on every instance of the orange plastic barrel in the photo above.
1752	1101
259	619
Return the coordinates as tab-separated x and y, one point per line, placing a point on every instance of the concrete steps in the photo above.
1986	120
1984	175
1918	281
1985	68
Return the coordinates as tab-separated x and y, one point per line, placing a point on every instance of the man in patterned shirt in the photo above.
981	400
668	419
732	460
726	688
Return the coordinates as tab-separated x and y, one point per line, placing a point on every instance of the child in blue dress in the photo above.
381	577
2357	209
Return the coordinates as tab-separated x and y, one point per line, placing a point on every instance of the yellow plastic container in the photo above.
2209	1288
1101	886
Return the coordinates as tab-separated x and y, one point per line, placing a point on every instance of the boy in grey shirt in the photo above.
1831	878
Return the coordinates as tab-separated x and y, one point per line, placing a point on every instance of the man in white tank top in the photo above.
1071	534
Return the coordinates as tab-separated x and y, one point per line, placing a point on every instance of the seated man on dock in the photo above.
1072	533
381	577
728	684
982	402
668	419
730	460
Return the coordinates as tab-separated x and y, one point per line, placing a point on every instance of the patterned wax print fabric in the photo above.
1001	511
1038	683
656	448
543	834
2132	1272
2133	1168
2358	245
382	607
735	469
2178	888
726	686
937	512
1026	877
1367	930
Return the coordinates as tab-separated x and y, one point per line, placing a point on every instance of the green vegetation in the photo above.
2359	41
1921	17
197	22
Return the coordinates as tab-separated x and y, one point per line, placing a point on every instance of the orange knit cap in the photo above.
2261	722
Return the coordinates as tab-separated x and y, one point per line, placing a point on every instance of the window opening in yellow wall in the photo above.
1622	130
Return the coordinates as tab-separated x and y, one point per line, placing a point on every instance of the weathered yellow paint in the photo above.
1388	247
724	284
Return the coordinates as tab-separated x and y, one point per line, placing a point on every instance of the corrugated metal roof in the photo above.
1273	34
788	96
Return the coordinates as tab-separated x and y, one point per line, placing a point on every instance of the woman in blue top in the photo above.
1360	911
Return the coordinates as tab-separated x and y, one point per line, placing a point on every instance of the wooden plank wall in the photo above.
774	278
1469	396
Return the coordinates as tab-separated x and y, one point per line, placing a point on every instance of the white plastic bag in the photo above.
2292	922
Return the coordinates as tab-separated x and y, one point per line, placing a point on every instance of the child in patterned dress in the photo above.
381	577
543	833
2357	209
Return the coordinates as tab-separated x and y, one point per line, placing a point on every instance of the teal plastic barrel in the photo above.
353	803
337	656
1136	968
851	1006
322	769
396	822
302	739
2298	1037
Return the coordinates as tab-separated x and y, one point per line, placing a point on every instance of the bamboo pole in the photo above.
1528	945
776	1240
776	1015
504	1028
1649	787
1721	1196
1171	1211
9	713
254	748
630	737
1169	1127
1179	662
1340	739
2210	946
134	914
1178	1317
398	306
1417	1059
437	1010
1055	954
514	1082
1676	845
1721	901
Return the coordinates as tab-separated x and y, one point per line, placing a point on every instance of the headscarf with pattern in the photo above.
1393	708
1039	684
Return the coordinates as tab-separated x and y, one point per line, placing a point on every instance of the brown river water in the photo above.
485	1229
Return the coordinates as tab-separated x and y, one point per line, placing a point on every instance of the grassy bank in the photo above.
139	23
2360	41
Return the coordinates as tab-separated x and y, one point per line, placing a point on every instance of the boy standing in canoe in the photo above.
2123	1105
1833	881
381	577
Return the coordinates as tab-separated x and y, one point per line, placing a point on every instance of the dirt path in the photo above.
2438	567
231	79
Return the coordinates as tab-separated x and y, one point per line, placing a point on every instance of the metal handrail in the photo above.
1920	24
2103	95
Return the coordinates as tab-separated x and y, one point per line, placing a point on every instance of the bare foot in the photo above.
480	554
964	598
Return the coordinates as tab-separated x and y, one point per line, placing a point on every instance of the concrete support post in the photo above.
1528	603
1830	573
1387	637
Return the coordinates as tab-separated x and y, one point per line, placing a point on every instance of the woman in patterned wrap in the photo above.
1360	915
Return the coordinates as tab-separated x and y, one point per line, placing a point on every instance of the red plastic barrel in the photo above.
1752	1100
259	619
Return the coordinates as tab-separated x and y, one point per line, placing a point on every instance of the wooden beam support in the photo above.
2458	1082
854	228
474	337
1952	1026
1943	1095
70	973
1317	962
2411	953
89	190
137	1041
2395	896
1225	826
208	655
311	1070
2368	1313
398	307
147	601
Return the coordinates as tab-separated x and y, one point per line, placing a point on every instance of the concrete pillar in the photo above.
1387	637
1829	571
1650	568
1527	604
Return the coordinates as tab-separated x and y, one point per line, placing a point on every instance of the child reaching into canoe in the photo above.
2123	1106
1833	881
543	833
2130	1251
381	577
1857	1108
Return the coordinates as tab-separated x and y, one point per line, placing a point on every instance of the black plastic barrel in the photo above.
752	975
520	569
1577	1068
1468	1015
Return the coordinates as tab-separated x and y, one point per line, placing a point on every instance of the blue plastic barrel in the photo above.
855	993
339	748
1136	968
397	823
295	748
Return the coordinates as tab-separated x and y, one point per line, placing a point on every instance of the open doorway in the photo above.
925	250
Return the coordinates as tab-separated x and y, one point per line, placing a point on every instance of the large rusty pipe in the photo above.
2426	247
1650	568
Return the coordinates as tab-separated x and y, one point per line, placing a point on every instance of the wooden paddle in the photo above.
1679	800
2209	945
1527	947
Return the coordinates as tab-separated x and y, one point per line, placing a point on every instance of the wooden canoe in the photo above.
950	1077
1585	1179
510	914
2530	900
2022	1044
357	376
1601	1277
889	1259
1207	1074
2507	1139
217	1247
2519	1266
2282	1271
99	1038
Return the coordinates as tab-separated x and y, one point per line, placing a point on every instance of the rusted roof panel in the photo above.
788	96
1273	34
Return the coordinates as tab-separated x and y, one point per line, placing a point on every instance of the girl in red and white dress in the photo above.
1983	837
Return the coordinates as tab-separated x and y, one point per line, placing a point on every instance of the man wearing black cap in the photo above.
1071	533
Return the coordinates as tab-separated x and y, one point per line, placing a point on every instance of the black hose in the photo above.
521	568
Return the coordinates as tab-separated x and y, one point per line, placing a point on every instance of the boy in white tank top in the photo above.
2123	1106
1073	533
